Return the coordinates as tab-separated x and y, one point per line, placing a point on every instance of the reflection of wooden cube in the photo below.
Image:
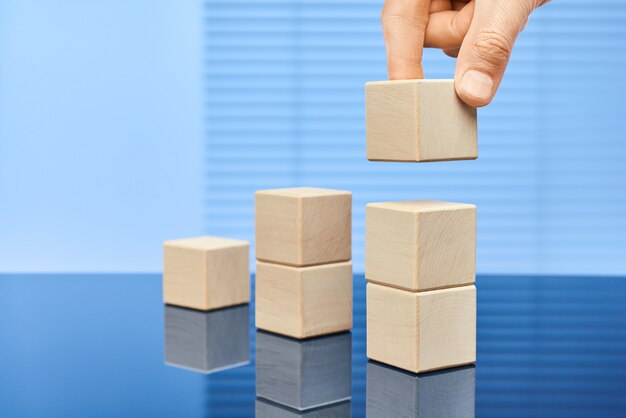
207	342
303	302
443	393
421	331
265	409
303	226
418	120
304	374
420	244
206	272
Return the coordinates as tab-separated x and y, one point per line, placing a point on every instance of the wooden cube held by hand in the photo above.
206	272
418	120
420	244
302	302
303	226
421	331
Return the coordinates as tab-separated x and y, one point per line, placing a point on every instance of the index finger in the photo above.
404	27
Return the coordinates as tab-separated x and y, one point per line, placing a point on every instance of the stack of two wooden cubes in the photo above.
303	272
421	302
303	290
420	257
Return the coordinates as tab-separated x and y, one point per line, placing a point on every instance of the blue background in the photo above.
126	123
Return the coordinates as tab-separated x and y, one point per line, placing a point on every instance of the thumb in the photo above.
487	47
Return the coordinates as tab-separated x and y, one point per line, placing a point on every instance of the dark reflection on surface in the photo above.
207	342
394	393
304	374
548	347
268	409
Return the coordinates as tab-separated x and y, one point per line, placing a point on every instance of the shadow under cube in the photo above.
304	374
268	409
207	342
394	393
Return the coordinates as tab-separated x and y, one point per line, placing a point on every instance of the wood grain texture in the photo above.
420	244
206	272
207	342
421	331
393	393
303	302
418	120
303	226
304	374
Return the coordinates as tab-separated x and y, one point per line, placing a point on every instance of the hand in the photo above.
481	33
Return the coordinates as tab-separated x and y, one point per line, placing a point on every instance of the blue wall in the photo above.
101	135
126	123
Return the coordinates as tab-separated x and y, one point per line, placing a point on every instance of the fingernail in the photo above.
477	85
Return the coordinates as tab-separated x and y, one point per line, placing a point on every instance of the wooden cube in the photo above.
420	245
303	226
421	331
418	120
304	302
304	374
207	342
444	393
206	272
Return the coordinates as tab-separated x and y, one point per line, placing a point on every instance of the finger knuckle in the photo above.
390	19
492	48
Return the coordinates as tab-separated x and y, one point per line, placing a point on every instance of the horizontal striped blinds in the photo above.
284	84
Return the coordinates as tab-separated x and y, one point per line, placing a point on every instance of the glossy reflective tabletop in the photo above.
97	346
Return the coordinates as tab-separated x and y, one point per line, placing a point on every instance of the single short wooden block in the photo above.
304	302
418	120
303	226
206	272
421	331
207	342
304	374
394	393
420	244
